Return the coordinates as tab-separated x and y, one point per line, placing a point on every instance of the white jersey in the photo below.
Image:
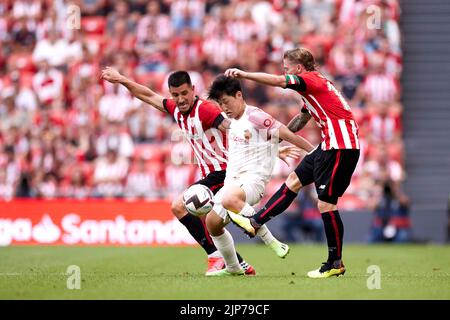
252	145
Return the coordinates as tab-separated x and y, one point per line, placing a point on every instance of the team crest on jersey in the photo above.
267	123
247	135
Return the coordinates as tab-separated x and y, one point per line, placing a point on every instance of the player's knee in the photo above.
293	182
232	202
325	206
178	209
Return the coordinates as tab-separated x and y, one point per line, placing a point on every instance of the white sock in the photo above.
225	244
263	232
247	211
215	254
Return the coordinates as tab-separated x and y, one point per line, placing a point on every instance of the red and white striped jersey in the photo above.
329	108
199	128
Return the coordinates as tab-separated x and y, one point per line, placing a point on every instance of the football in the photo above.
198	200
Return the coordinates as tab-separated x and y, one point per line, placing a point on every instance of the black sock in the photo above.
240	259
279	202
334	230
197	229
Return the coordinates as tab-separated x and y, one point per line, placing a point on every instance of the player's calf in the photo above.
195	226
214	224
225	244
177	208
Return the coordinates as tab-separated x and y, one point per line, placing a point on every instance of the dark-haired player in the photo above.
253	141
199	120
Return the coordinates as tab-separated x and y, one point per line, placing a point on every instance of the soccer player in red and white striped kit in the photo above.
199	120
330	166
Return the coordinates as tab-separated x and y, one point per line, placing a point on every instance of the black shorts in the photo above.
213	181
330	170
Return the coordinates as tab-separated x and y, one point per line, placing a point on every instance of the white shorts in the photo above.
254	191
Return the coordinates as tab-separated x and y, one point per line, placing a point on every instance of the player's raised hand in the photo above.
111	75
286	152
235	73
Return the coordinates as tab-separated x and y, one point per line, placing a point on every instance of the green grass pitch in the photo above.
168	273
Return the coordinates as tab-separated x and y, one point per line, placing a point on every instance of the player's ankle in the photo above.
255	224
336	263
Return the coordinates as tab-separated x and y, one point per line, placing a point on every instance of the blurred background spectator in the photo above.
65	133
391	220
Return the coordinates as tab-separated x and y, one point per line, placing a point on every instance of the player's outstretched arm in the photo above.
260	77
289	136
299	121
139	91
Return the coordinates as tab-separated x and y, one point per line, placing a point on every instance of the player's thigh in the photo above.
334	170
234	198
253	190
348	159
305	170
246	191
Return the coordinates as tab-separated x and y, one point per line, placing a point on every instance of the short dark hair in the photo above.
179	78
224	85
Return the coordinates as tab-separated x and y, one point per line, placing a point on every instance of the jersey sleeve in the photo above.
295	82
210	115
169	105
263	121
306	82
218	121
313	81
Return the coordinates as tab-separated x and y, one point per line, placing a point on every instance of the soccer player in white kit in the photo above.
253	143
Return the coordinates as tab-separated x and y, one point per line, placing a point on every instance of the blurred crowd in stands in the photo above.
66	133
